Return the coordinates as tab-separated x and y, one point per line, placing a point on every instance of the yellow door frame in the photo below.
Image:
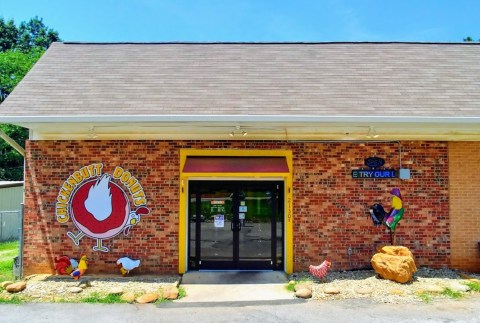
183	185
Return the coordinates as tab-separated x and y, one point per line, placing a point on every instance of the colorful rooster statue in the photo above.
126	264
390	219
82	268
396	213
321	270
63	265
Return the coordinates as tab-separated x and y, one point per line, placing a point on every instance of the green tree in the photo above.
20	48
14	65
34	34
8	34
469	39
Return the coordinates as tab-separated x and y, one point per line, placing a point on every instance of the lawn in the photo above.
8	250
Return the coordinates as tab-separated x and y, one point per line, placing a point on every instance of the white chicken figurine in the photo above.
321	270
126	264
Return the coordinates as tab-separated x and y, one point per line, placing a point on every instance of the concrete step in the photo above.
234	286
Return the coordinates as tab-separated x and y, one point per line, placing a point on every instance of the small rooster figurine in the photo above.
63	265
126	264
82	268
321	270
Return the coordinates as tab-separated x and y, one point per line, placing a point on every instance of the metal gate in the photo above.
10	225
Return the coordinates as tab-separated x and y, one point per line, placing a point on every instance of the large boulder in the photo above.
394	263
16	287
396	251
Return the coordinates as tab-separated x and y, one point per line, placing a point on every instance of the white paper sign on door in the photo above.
219	221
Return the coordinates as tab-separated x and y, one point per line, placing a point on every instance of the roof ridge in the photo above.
265	43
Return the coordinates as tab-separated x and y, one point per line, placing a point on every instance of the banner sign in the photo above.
101	205
365	173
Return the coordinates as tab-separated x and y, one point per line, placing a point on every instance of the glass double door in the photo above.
236	225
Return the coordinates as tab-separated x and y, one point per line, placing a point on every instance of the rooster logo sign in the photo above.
98	206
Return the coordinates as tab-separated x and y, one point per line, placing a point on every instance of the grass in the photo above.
290	286
102	299
181	292
8	250
452	294
425	296
12	300
474	286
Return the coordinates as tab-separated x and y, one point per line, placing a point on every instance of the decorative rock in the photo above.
169	292
363	290
396	291
396	251
147	298
303	286
128	297
5	284
303	293
434	289
458	287
394	265
16	287
116	291
331	290
75	290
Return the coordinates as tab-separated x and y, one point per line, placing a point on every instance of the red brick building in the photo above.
249	156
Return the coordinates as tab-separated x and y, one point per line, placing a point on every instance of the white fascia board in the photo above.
93	119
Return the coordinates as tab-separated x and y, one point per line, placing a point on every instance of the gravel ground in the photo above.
366	284
362	284
47	288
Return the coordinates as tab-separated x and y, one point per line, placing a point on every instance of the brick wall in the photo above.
464	168
329	206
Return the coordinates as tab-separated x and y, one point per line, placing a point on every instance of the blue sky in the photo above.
253	20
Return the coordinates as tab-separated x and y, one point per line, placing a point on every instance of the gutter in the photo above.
234	118
12	143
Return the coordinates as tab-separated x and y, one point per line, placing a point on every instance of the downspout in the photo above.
12	143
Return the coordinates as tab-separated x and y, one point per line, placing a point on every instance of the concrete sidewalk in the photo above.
234	286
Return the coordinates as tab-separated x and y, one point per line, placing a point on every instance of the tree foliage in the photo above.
469	39
20	48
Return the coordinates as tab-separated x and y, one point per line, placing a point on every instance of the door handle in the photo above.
235	225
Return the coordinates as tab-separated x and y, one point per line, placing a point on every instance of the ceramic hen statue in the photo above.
321	270
126	264
82	268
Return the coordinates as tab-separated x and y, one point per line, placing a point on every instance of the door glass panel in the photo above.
216	242
279	227
191	232
255	215
236	225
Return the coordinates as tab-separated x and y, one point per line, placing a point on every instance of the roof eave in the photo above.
23	120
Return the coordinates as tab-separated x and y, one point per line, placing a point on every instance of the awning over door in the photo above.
204	164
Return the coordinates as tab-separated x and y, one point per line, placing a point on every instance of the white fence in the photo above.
10	225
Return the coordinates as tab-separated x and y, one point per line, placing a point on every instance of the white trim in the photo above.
95	119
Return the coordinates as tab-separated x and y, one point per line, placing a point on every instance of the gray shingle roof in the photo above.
334	79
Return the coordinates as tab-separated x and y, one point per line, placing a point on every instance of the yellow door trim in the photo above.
183	185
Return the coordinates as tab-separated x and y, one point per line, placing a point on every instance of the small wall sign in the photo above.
373	163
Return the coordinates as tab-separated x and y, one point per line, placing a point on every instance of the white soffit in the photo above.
256	128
